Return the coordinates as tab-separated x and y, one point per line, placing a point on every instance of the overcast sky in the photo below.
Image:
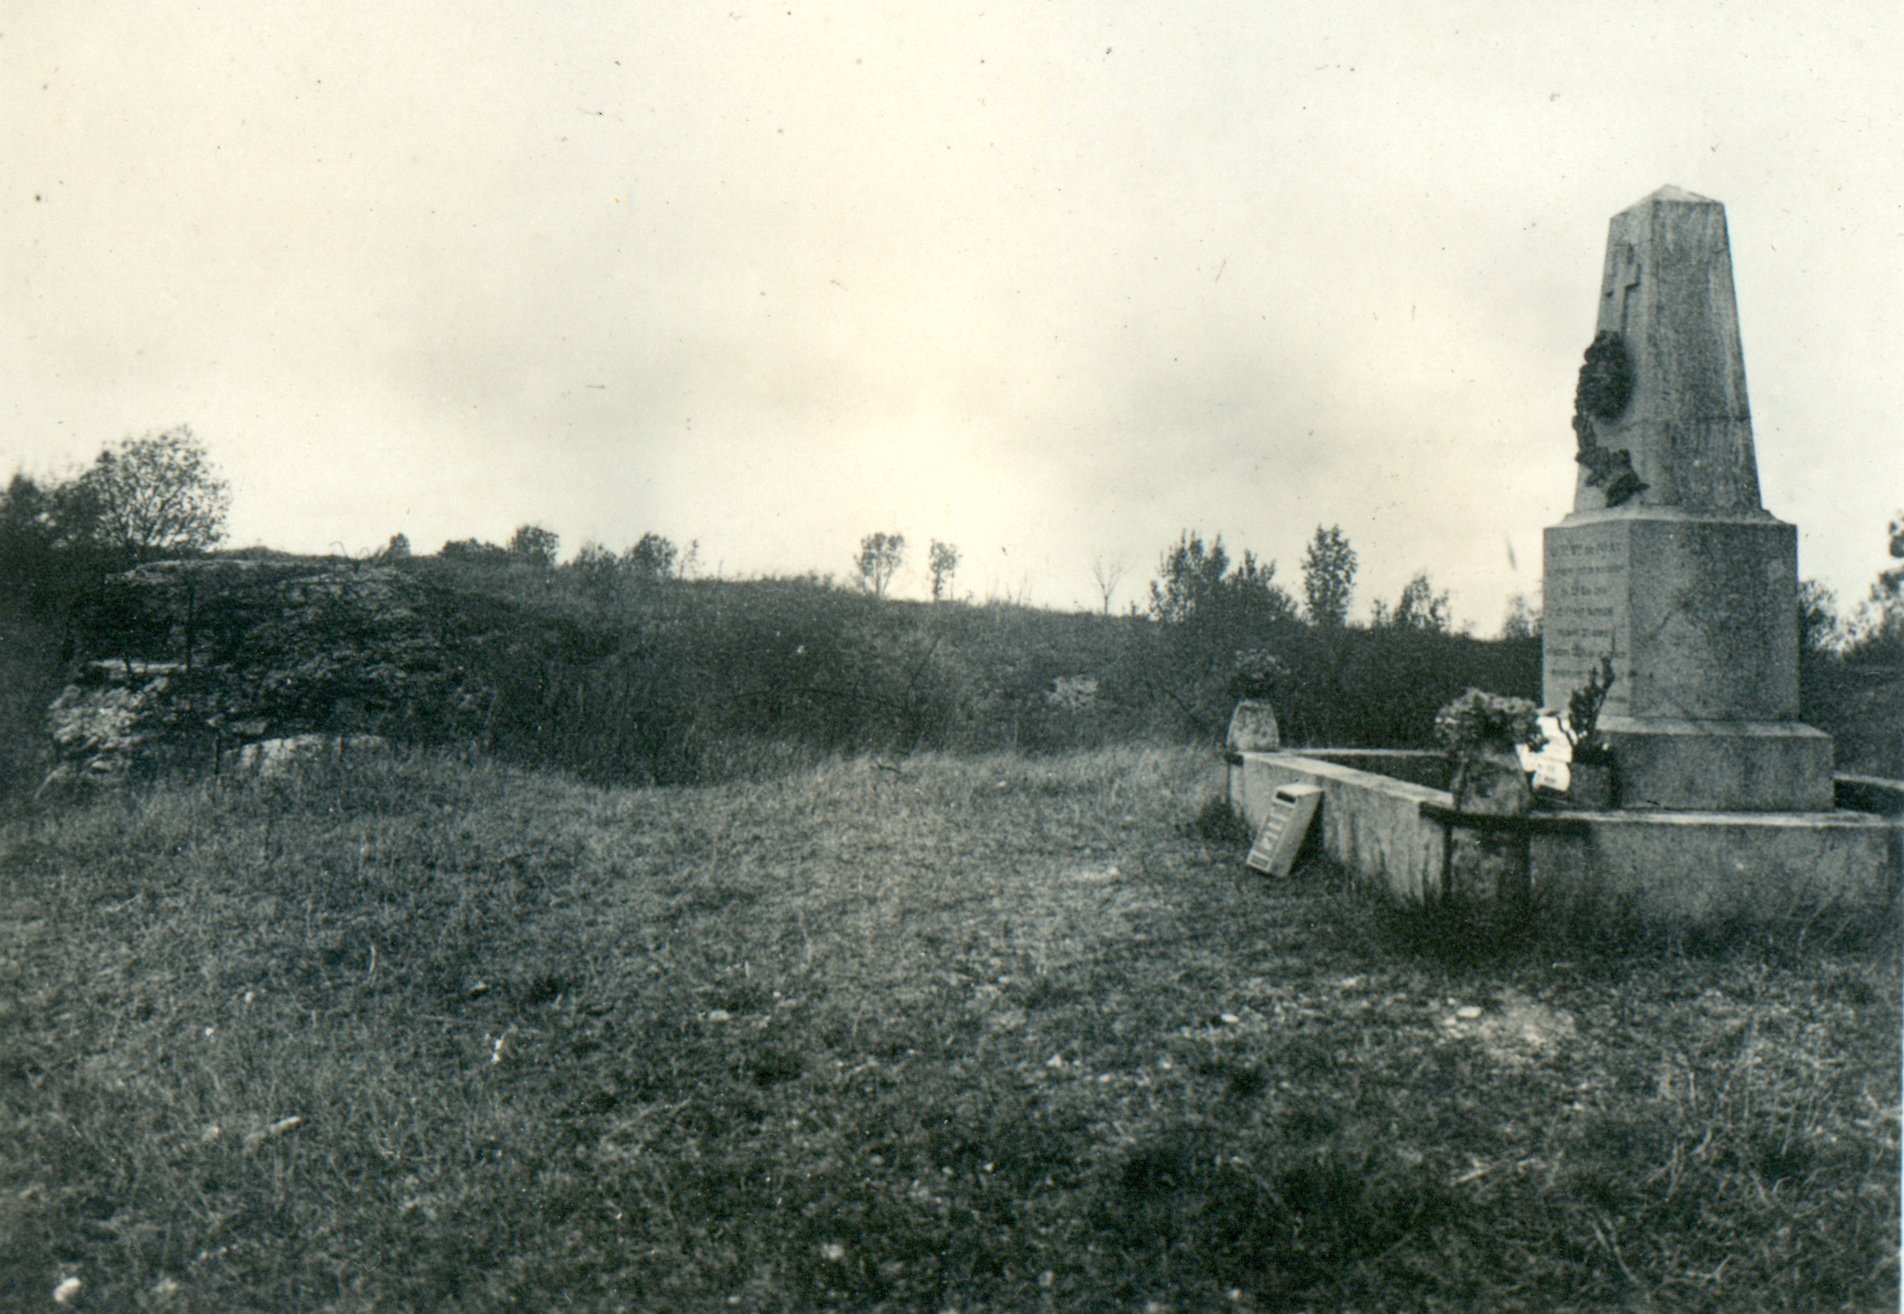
1050	281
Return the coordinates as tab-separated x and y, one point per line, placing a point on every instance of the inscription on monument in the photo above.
1582	622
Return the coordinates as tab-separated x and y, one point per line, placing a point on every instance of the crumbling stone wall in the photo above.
185	660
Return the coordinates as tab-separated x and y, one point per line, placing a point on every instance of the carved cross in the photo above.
1627	278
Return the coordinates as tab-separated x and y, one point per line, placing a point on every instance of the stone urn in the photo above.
1488	777
1253	728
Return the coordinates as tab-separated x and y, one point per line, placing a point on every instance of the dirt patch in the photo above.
1514	1029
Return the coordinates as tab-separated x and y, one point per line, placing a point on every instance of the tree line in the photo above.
625	665
141	499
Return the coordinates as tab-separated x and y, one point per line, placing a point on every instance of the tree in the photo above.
1106	574
652	557
1251	591
1209	613
1819	628
1418	608
597	573
397	549
535	545
1189	576
1881	619
152	497
473	550
879	559
1328	577
28	521
1198	583
1522	620
943	559
33	559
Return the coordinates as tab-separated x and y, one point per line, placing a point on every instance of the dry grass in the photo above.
984	1033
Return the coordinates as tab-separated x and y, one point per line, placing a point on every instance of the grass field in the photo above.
977	1034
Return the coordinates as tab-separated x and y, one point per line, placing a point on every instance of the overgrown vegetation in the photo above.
622	669
983	1032
625	668
1852	668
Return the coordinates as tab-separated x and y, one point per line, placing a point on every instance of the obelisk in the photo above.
1668	562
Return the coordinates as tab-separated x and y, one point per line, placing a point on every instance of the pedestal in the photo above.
1698	611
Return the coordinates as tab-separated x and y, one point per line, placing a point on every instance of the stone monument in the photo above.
1668	563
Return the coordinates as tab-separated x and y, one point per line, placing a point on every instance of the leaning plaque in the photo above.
1279	841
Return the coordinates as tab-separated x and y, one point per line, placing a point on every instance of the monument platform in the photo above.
1673	870
1754	766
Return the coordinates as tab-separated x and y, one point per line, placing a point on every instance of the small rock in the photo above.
67	1291
1469	1012
279	1128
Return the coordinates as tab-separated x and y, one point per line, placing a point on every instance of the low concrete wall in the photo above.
1671	868
1409	764
1369	823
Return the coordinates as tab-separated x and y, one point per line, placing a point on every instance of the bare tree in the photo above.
1107	573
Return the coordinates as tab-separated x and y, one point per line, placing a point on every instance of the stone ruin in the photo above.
250	664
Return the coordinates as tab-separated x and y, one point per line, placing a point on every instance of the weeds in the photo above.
988	1032
1218	822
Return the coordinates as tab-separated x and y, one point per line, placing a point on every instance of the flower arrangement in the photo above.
1582	723
1256	673
1478	719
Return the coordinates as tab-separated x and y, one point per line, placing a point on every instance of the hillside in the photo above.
633	678
988	1032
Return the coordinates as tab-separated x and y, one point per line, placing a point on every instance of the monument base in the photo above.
1696	613
1825	871
1736	766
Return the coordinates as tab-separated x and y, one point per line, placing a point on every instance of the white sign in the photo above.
1552	775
